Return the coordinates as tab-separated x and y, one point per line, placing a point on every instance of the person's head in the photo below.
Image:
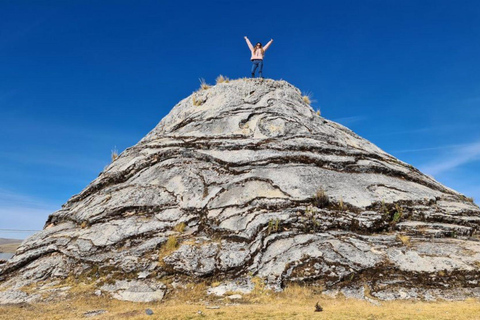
258	46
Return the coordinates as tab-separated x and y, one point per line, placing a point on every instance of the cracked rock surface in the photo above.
244	180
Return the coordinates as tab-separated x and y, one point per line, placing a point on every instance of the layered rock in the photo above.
245	180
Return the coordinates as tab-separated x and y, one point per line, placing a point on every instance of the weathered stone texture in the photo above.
246	180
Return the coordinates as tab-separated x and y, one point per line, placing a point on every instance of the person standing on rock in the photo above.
258	52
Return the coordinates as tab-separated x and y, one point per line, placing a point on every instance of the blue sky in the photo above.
80	78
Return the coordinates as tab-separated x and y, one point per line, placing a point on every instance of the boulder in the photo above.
245	180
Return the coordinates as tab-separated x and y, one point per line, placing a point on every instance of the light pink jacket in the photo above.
257	54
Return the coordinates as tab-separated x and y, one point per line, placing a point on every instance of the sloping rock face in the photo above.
245	180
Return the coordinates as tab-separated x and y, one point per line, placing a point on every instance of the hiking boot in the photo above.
253	75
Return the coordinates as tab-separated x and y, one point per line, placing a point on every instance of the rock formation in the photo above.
244	180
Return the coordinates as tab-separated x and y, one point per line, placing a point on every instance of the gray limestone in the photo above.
244	180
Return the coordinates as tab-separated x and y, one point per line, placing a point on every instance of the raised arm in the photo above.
267	45
249	44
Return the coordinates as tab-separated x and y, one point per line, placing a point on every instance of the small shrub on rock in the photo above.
321	199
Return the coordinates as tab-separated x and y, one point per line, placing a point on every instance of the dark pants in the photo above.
257	63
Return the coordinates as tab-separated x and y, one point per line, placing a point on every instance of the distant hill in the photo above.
9	245
8	241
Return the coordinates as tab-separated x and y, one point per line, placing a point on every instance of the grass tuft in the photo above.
341	205
307	99
203	84
196	102
273	225
180	227
114	154
404	239
397	216
260	291
171	244
221	79
321	199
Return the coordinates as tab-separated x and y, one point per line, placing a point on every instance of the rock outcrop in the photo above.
244	180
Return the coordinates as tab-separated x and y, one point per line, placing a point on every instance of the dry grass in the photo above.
171	244
9	247
203	84
321	200
341	205
180	227
294	303
307	99
167	248
196	102
191	293
221	79
404	239
114	154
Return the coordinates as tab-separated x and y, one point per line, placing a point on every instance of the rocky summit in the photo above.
243	184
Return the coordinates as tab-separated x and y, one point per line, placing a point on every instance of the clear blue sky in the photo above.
79	78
